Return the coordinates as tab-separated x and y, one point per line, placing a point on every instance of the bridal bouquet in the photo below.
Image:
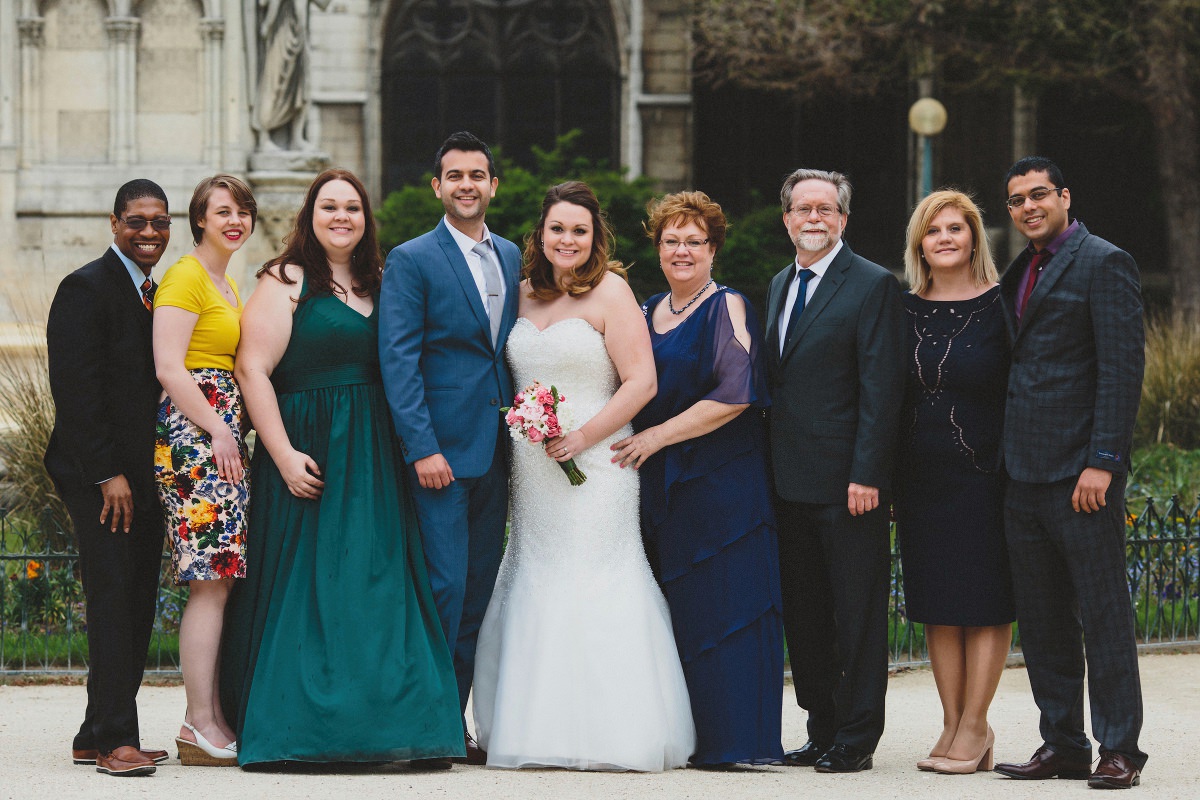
535	415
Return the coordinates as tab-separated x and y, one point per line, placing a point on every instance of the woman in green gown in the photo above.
334	652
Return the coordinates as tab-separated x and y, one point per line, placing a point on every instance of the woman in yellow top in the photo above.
200	456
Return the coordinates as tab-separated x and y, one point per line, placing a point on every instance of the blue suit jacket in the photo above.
445	381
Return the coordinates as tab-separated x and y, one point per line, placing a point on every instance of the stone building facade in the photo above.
95	92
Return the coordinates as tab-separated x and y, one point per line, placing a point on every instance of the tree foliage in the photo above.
1144	51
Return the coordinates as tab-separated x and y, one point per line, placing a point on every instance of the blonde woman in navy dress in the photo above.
949	495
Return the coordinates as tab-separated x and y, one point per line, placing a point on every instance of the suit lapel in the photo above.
466	280
1051	273
130	300
774	302
830	282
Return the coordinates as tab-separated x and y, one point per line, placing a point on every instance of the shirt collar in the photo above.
135	272
824	262
465	243
1053	247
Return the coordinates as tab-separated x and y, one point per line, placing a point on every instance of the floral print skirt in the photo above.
205	515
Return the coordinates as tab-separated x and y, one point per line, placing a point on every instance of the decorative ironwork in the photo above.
43	629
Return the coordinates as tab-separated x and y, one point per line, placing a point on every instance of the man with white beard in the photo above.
835	340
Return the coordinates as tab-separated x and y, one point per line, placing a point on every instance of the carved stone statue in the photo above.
281	99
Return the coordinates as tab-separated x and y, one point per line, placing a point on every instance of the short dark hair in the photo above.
1030	164
136	189
468	143
237	189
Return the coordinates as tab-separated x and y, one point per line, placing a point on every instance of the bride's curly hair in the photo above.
537	268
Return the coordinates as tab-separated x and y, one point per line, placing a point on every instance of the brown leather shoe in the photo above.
126	761
1044	764
476	756
88	757
1115	771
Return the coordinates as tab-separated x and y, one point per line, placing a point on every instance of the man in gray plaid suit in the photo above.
1075	315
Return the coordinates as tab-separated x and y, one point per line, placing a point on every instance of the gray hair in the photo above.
839	181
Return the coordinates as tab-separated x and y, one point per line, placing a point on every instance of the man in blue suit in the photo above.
448	300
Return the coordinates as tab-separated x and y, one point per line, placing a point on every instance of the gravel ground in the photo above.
37	722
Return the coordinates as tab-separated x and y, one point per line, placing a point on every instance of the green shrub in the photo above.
1163	470
1170	409
756	248
413	209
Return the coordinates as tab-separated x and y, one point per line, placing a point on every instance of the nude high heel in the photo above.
203	753
951	766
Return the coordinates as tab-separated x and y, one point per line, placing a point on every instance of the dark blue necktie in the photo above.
805	275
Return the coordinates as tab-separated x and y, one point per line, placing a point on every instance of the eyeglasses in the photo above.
690	244
137	223
1037	195
825	212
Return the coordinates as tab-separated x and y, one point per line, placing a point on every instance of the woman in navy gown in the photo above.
707	520
949	496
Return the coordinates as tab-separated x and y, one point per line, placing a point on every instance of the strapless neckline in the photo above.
533	324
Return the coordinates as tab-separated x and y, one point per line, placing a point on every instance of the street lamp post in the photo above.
927	118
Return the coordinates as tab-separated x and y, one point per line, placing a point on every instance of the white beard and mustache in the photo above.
815	238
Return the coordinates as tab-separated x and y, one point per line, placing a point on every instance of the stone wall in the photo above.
97	92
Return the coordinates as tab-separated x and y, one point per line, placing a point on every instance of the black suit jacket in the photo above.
102	379
1077	360
837	389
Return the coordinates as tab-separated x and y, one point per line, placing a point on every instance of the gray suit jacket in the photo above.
837	389
1077	360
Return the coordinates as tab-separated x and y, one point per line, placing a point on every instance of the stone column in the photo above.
212	29
30	30
122	41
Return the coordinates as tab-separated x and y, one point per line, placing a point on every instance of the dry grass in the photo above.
1170	410
28	409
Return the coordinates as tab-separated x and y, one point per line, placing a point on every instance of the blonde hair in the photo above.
983	267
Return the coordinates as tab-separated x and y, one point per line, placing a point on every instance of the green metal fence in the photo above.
43	627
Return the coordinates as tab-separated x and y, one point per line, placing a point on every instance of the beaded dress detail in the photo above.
949	488
576	665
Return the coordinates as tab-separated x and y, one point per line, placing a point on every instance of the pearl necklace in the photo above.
690	303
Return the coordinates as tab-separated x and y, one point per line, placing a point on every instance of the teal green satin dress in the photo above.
333	651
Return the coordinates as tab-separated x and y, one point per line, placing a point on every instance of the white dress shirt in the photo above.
789	299
475	264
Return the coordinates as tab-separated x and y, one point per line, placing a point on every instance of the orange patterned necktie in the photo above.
148	288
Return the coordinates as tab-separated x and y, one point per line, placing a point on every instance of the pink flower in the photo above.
535	435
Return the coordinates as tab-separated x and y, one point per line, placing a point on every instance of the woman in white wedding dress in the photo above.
576	665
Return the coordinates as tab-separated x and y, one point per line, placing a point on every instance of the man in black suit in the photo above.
1075	314
101	457
835	340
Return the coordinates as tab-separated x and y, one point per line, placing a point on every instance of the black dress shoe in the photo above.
806	756
844	758
1046	763
1115	771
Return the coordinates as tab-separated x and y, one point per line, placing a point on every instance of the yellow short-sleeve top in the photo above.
215	338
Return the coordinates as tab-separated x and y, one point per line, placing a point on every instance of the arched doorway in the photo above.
515	72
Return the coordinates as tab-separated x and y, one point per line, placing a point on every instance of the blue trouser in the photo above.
462	529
